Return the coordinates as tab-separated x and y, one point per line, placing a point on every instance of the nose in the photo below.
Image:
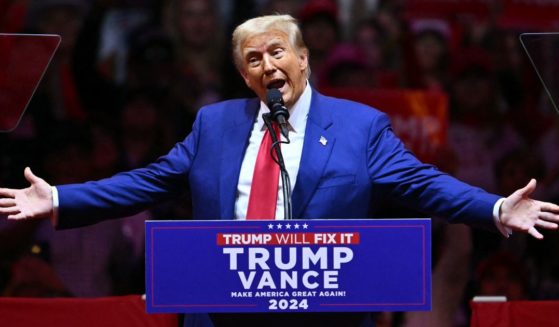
269	66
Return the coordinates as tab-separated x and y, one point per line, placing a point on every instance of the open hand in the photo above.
32	202
521	213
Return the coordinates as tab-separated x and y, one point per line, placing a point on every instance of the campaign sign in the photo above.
288	266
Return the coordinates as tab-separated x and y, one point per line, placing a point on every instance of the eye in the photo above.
278	52
253	61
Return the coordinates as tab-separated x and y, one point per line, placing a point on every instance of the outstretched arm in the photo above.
521	213
28	203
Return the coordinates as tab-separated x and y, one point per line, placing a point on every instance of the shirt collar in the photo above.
297	115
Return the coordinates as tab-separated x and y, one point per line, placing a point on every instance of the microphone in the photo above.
279	112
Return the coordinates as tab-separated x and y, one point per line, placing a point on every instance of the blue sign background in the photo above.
187	271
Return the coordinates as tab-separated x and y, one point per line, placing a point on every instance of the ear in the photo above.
244	75
303	59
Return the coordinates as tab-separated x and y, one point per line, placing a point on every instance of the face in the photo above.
269	61
320	35
429	50
197	23
368	39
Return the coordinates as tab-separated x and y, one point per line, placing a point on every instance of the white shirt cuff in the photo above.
54	217
496	218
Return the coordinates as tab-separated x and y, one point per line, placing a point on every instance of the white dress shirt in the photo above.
291	153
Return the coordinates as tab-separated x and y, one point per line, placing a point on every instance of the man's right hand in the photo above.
29	203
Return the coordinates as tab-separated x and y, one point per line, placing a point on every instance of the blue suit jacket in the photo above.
362	164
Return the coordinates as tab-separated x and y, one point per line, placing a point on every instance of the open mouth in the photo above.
275	84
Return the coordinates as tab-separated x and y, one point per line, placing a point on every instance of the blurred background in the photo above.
129	77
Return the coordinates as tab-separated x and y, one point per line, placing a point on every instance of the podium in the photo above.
333	265
84	312
515	313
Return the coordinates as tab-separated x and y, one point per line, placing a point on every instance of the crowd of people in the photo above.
129	77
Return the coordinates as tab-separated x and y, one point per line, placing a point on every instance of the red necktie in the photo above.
263	197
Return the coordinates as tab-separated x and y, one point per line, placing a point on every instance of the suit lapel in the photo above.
317	147
234	143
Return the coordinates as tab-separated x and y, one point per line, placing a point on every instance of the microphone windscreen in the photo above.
274	96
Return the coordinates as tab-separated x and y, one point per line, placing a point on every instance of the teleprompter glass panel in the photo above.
543	52
24	59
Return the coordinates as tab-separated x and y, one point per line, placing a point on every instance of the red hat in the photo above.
346	53
315	7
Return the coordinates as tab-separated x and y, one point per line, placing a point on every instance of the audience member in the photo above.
58	98
370	37
199	44
320	28
501	274
546	148
291	7
390	18
478	130
346	66
142	131
85	268
429	65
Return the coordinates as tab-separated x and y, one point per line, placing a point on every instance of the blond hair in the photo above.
283	23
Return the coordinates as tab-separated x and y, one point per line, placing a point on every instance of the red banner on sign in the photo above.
334	238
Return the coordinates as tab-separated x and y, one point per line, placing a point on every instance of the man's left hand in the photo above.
521	213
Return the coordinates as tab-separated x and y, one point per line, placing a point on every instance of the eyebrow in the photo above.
272	44
275	43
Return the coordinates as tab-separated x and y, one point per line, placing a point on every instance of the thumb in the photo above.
30	177
527	190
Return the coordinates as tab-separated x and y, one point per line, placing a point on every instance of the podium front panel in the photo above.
288	266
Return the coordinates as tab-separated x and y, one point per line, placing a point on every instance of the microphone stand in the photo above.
278	158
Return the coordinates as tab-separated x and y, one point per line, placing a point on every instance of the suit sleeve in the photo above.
423	187
129	192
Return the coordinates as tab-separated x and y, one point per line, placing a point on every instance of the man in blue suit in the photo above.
343	156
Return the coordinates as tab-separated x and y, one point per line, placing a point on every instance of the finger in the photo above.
9	210
549	216
550	207
534	232
528	189
7	192
17	216
30	177
546	224
7	202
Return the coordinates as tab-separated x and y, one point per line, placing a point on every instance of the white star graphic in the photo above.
288	226
296	226
305	226
278	226
270	226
